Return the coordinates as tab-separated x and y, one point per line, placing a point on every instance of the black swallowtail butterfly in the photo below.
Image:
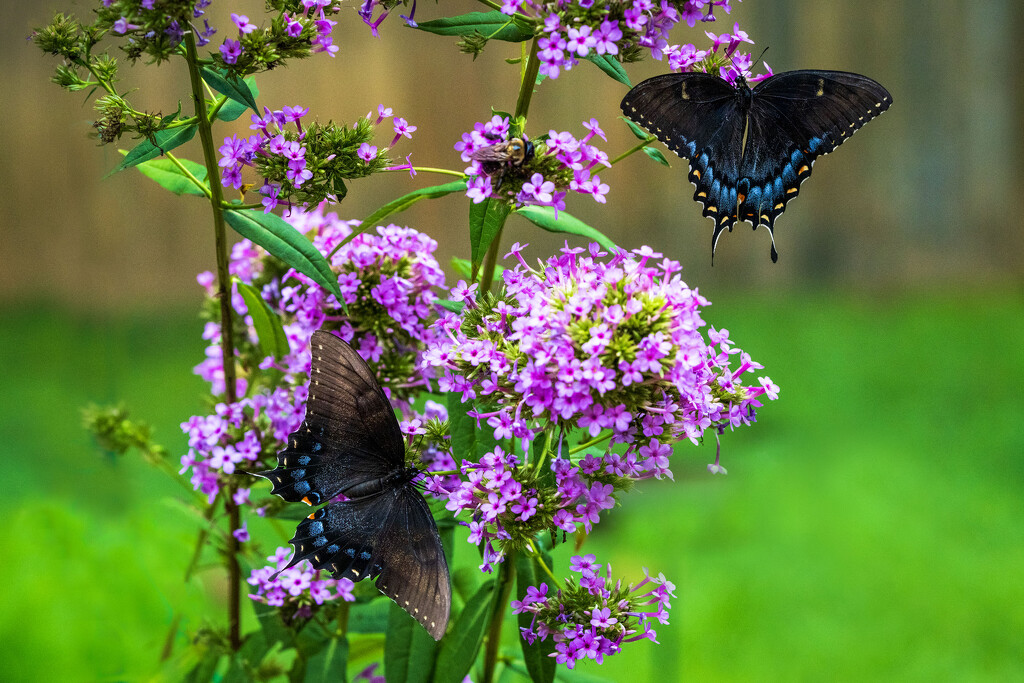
749	149
350	443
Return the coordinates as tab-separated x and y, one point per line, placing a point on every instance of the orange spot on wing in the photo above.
741	197
311	516
696	173
803	169
306	500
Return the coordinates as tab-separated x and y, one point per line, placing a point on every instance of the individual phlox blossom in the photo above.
559	163
593	616
298	588
279	151
612	345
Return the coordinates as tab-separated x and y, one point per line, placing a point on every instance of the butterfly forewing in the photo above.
350	434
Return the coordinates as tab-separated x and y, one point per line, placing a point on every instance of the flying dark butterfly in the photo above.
350	443
749	150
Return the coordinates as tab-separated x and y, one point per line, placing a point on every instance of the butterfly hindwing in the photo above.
391	537
749	150
415	573
350	434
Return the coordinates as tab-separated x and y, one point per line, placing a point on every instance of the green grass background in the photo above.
871	526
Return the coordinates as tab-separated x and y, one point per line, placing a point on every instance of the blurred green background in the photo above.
872	524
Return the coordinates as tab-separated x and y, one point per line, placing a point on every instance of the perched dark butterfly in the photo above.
497	159
749	150
350	443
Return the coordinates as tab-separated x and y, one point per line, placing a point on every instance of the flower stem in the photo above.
503	589
633	150
490	259
593	442
528	83
227	343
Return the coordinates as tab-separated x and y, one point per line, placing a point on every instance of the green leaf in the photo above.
269	331
163	141
468	442
369	617
272	624
329	663
409	651
493	25
530	573
232	109
486	220
637	130
167	175
403	203
232	88
204	670
574	676
460	647
453	306
657	156
609	65
285	243
544	217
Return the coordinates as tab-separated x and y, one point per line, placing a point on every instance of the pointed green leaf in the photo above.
530	573
269	331
544	217
272	624
493	25
486	220
232	109
460	647
232	88
468	442
403	203
329	663
285	243
167	175
453	306
163	141
636	130
657	156
409	651
611	66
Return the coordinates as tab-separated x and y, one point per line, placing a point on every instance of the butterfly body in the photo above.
749	149
350	443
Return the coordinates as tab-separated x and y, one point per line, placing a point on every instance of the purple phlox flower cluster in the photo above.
594	615
387	277
299	587
609	345
561	162
282	157
275	145
156	21
236	434
723	58
570	31
508	506
314	13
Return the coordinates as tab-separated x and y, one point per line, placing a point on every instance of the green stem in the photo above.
593	442
227	342
188	174
427	169
528	83
490	261
632	150
506	579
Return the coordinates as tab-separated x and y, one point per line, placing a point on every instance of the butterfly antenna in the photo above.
759	57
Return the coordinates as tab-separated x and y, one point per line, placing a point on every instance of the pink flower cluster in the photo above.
593	616
562	162
299	587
